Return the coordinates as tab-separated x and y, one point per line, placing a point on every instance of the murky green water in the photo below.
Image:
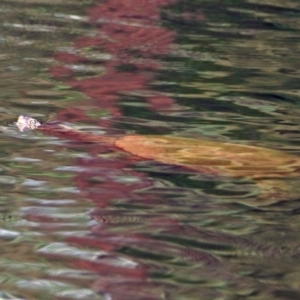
86	220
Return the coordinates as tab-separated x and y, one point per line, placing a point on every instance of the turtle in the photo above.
272	170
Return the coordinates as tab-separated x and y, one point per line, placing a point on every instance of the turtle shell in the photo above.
224	158
274	172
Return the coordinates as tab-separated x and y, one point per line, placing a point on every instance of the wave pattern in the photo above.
84	221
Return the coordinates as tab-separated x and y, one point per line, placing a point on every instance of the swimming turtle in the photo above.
272	170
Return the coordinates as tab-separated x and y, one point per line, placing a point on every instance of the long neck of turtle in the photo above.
69	133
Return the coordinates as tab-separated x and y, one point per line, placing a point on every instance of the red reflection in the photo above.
161	102
71	115
60	71
145	11
145	41
68	57
129	32
110	85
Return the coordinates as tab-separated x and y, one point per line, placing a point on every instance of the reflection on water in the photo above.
84	220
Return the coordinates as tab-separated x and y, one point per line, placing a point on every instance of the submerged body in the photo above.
270	169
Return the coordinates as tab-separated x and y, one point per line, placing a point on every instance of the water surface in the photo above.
88	221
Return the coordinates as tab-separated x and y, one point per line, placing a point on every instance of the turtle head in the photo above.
25	123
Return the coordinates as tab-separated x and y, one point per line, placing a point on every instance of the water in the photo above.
85	220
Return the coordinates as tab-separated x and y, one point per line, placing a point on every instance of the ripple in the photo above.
62	249
8	296
57	289
89	218
7	180
9	234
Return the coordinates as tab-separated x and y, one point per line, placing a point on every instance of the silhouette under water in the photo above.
265	166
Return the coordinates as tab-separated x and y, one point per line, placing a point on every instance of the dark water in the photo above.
88	221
